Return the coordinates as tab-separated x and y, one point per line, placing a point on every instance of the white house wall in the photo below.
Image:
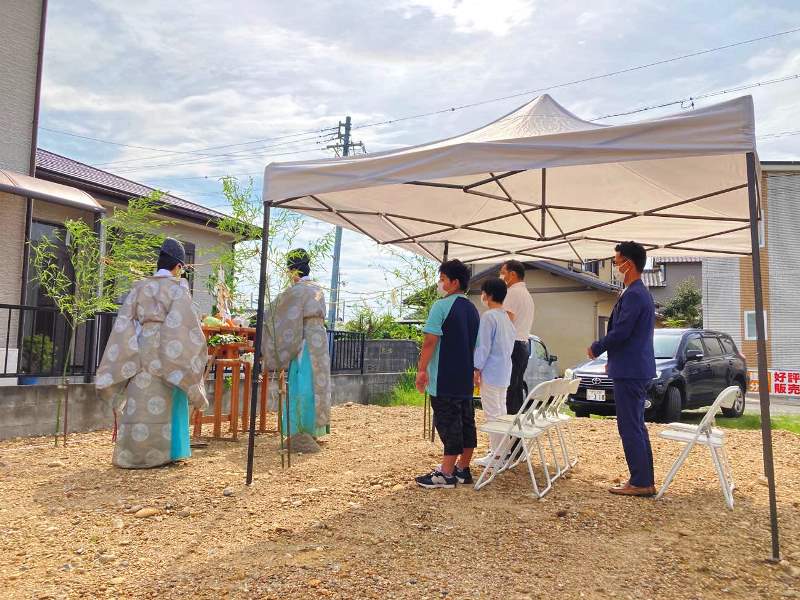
19	49
721	297
784	269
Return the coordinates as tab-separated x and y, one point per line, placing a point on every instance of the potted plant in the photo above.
37	357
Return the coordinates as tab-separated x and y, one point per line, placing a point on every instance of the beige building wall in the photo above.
19	51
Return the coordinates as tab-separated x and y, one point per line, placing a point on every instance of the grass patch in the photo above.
749	421
404	393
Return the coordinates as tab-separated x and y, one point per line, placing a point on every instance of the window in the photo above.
730	347
750	325
190	258
602	327
712	345
539	350
693	343
592	266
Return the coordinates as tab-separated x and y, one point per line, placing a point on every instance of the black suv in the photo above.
692	367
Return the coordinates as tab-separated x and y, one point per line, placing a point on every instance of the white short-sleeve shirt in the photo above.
519	302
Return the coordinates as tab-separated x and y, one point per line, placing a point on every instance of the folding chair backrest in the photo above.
556	391
559	392
538	399
573	385
726	399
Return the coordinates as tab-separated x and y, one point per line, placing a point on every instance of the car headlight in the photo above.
658	375
568	373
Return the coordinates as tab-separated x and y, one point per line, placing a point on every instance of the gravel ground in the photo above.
348	523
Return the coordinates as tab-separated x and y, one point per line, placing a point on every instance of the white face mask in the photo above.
620	274
440	289
484	300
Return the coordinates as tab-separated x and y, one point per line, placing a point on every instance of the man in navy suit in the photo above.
631	365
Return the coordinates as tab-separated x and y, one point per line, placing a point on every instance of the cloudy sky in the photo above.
228	87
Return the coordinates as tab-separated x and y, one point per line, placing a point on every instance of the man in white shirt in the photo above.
519	306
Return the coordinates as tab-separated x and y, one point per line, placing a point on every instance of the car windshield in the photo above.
665	345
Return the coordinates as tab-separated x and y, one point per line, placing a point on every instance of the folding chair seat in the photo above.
520	429
705	434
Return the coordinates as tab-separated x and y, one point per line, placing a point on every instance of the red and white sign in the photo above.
785	383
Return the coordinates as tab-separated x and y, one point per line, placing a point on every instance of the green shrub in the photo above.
37	354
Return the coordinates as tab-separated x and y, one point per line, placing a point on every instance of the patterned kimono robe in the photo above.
295	338
156	345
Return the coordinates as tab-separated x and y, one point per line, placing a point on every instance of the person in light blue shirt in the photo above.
492	359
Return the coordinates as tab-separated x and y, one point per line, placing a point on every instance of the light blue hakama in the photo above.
179	446
301	408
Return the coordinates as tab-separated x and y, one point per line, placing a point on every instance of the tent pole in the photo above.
763	379
544	200
262	286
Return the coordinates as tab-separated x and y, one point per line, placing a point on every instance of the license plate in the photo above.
596	395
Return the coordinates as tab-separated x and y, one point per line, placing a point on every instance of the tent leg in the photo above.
262	285
763	388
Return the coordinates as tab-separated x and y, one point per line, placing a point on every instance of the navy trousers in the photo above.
629	396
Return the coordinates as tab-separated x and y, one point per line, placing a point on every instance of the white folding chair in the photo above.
520	429
538	418
562	421
705	434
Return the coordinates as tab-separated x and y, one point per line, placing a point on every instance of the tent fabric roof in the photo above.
541	183
32	187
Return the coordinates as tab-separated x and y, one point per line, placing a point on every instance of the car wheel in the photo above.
738	405
581	412
671	409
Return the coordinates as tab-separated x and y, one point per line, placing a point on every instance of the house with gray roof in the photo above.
193	224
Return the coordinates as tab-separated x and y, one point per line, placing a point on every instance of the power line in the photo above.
583	80
691	99
217	161
167	151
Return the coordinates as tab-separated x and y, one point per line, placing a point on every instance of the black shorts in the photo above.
454	419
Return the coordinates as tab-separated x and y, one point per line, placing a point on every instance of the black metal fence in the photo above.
34	341
347	351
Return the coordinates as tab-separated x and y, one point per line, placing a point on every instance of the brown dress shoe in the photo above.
632	490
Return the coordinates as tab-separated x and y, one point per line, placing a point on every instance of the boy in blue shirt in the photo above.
493	365
445	372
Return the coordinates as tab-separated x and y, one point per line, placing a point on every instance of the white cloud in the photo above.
469	16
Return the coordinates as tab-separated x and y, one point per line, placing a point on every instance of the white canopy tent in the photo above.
542	183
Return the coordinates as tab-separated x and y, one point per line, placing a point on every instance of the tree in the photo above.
133	239
417	277
685	309
381	327
99	276
78	299
239	260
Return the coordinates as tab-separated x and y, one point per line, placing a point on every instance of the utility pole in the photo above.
344	144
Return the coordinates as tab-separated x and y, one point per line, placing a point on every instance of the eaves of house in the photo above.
588	281
60	169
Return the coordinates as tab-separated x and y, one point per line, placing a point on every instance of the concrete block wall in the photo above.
390	356
28	411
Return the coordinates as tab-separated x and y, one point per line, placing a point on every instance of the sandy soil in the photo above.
348	523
